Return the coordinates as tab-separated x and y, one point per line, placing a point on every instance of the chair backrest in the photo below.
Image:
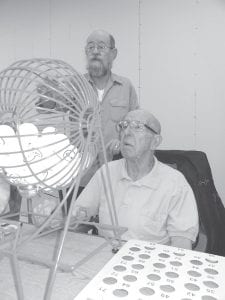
195	167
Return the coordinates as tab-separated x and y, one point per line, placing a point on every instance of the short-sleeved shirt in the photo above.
118	99
156	207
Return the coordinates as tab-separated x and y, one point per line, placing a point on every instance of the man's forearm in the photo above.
181	242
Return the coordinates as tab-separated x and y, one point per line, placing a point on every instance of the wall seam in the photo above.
139	50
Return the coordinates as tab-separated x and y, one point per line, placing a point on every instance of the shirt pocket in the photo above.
151	223
118	109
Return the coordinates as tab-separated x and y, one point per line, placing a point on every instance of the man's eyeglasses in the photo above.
101	47
134	125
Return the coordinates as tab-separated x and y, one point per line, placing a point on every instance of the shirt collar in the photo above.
114	78
151	180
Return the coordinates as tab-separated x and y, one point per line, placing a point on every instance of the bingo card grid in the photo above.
143	270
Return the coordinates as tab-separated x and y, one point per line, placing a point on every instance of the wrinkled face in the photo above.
136	143
99	54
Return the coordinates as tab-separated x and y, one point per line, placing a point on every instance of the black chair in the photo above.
195	167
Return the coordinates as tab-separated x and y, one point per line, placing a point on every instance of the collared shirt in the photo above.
118	99
156	207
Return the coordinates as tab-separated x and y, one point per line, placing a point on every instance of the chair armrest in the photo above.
202	242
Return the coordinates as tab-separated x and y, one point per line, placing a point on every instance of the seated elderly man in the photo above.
153	200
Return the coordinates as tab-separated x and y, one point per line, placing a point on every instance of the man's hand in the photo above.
80	213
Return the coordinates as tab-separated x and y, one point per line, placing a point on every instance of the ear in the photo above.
156	141
114	53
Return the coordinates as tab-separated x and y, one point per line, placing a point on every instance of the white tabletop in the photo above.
34	276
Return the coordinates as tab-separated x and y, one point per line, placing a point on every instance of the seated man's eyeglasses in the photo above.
101	47
134	125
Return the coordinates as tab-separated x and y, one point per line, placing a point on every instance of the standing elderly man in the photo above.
115	93
153	200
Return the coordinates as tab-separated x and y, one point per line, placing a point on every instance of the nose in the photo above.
96	49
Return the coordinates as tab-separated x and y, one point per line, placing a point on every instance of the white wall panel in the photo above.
211	87
183	71
26	25
168	67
